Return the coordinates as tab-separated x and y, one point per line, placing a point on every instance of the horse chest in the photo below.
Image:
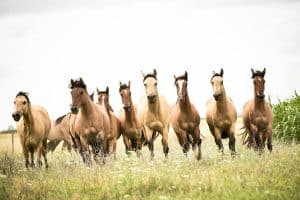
154	123
187	122
222	122
260	120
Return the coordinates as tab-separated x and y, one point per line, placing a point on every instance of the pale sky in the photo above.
43	44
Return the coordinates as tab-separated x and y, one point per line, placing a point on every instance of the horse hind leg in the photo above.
44	153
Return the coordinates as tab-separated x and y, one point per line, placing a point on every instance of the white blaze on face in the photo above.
179	85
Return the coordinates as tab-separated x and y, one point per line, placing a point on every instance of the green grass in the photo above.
248	176
286	124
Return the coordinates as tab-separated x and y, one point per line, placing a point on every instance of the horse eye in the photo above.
145	84
24	102
155	84
81	92
222	82
14	102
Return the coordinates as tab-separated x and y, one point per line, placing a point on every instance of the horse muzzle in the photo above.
127	108
74	110
260	96
16	116
151	98
217	97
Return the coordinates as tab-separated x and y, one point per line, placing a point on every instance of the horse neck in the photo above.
28	119
222	103
105	104
130	116
87	107
154	107
186	104
258	103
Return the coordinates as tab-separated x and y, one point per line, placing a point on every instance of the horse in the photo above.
91	125
61	131
115	124
132	128
33	128
153	112
258	115
221	114
185	118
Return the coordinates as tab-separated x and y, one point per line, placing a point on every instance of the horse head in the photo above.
150	83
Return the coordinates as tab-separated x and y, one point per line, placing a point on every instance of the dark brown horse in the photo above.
115	124
185	118
91	125
132	129
221	114
258	116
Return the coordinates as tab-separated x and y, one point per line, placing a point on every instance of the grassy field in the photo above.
248	176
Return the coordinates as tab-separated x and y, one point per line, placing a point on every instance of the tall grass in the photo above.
286	124
248	176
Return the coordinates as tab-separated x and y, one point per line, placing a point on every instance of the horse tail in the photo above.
245	136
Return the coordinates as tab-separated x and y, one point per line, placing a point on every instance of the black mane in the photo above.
77	83
123	86
24	94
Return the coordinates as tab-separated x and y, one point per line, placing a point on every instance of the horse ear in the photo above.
186	75
143	74
120	83
252	71
80	79
214	72
92	96
264	72
222	72
107	90
98	91
129	83
154	72
174	76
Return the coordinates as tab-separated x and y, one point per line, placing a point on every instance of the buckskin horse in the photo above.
221	114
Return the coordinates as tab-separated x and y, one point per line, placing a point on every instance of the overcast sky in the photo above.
45	43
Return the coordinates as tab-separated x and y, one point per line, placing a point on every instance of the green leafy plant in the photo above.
286	123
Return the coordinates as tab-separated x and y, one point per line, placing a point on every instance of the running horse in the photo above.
115	124
132	128
185	118
258	116
33	128
153	112
221	114
91	125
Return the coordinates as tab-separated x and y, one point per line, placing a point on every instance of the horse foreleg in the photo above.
26	155
197	142
218	140
165	142
32	157
269	139
182	139
232	140
127	144
148	135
